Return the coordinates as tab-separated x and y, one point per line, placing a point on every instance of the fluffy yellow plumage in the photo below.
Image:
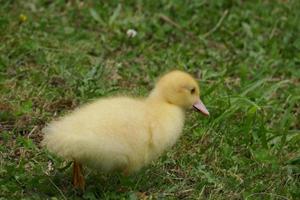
122	133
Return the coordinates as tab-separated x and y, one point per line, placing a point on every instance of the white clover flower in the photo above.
131	33
49	168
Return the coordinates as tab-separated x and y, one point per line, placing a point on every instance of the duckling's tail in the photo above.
56	142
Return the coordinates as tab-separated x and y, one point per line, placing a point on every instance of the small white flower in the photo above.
131	33
49	168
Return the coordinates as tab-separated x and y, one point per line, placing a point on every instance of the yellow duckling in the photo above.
123	133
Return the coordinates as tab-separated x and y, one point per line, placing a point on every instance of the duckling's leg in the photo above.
78	178
126	172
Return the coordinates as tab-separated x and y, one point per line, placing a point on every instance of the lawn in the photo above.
56	55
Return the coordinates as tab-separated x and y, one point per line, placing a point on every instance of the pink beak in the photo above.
201	107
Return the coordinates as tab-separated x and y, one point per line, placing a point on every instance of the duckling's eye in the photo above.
193	90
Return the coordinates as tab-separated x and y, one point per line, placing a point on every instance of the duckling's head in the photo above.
180	89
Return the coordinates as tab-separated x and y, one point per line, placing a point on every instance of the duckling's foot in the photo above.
78	178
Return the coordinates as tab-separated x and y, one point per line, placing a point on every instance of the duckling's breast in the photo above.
166	127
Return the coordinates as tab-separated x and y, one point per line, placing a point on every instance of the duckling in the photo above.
124	133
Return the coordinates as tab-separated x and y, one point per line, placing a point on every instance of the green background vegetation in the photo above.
56	55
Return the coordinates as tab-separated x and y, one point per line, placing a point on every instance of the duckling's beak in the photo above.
201	107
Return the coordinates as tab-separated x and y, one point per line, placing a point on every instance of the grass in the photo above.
56	55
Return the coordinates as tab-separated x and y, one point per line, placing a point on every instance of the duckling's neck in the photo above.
156	96
156	99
